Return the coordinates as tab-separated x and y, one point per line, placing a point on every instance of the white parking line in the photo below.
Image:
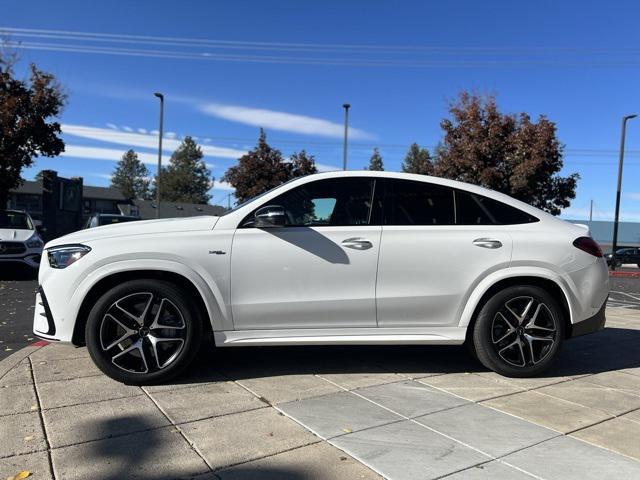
627	294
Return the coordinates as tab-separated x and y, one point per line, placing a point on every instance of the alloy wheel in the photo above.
524	331
142	332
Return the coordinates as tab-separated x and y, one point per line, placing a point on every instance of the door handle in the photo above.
357	243
487	243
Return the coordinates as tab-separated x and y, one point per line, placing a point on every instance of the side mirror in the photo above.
270	216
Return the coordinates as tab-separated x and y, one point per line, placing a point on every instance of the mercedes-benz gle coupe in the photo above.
333	258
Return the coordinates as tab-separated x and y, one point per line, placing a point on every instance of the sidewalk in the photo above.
329	413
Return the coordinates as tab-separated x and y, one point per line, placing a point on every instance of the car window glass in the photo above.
15	220
417	203
330	202
473	209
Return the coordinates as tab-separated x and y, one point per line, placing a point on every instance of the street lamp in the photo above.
161	97
346	107
615	222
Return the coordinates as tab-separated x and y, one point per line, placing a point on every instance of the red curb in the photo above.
40	343
625	274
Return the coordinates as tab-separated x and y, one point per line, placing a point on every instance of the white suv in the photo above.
333	258
19	240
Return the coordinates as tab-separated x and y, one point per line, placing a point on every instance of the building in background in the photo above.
602	232
61	205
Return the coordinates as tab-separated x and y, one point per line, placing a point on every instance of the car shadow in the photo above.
608	350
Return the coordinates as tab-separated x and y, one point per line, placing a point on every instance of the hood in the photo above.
15	235
143	227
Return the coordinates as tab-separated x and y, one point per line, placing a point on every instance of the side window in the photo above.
407	202
472	209
330	202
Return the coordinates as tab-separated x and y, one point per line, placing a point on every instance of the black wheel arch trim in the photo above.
591	324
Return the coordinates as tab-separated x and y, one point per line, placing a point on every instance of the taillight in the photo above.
589	245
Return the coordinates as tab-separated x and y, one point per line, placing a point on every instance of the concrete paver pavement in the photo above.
266	413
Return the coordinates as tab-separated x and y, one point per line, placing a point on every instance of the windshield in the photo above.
15	220
240	205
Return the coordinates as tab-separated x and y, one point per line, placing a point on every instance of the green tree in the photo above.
375	162
417	160
131	176
264	168
186	178
505	152
27	108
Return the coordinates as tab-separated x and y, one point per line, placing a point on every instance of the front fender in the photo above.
564	281
208	290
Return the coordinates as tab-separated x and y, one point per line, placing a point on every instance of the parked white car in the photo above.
19	240
333	258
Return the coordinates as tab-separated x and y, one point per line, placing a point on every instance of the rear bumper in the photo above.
590	325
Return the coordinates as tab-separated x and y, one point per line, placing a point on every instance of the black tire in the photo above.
168	335
510	343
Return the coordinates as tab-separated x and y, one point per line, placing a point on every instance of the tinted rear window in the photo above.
415	203
472	209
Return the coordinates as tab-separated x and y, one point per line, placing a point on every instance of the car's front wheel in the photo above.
519	331
143	332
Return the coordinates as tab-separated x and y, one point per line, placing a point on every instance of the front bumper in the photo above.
590	325
30	259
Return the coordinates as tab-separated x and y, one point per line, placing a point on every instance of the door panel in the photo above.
304	277
425	273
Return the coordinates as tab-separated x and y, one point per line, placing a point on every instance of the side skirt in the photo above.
348	336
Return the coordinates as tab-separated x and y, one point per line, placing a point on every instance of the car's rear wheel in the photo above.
519	331
143	332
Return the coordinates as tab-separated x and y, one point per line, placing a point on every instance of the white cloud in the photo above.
323	167
282	121
223	186
142	141
99	153
142	131
633	196
112	126
127	129
170	134
105	176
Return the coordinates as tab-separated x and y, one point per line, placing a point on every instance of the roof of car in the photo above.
116	215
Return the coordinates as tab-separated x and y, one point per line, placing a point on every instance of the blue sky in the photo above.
227	68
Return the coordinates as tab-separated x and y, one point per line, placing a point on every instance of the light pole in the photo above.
346	107
161	97
615	221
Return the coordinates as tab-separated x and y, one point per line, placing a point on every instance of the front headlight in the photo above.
34	241
64	255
